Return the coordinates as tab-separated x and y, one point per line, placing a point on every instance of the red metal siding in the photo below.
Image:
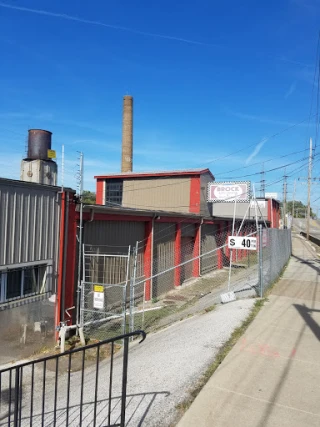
99	192
148	258
195	195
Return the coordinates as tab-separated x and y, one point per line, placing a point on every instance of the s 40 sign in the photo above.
241	242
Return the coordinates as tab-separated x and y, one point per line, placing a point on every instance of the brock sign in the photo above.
225	192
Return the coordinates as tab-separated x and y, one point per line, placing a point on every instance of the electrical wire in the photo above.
265	161
267	139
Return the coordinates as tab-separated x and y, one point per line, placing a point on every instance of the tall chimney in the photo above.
127	134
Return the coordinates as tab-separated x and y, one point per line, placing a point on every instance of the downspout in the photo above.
60	268
91	215
152	250
65	253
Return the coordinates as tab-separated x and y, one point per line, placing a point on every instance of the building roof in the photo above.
183	172
17	182
121	210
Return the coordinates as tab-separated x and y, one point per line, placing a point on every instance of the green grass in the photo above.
223	352
210	308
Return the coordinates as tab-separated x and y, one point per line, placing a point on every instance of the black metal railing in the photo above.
85	386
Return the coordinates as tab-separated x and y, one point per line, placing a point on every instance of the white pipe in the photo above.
62	334
81	335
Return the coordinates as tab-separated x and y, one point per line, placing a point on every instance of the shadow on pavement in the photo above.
305	313
137	409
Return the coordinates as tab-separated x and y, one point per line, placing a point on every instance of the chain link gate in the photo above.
104	292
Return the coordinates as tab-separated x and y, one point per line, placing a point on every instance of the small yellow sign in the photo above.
97	288
51	154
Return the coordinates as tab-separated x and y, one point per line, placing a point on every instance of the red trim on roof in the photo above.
155	174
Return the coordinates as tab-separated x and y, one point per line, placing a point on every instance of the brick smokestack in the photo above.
127	134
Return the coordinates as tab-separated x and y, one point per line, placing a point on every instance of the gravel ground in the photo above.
175	359
162	371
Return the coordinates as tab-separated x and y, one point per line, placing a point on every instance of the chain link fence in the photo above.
199	266
276	251
143	284
104	291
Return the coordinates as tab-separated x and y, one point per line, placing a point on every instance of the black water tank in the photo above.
39	142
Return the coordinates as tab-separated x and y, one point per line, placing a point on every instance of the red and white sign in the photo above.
224	192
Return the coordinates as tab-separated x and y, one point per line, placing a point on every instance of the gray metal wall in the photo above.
205	207
210	240
29	233
225	210
29	223
163	258
117	235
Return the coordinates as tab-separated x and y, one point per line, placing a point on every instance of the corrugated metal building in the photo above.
32	251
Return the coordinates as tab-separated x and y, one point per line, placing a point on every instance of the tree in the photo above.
89	197
300	210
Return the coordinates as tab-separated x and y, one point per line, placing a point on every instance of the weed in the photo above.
210	308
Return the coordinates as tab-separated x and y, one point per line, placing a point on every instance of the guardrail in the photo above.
311	238
83	386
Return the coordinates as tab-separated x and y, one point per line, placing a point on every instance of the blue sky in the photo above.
212	83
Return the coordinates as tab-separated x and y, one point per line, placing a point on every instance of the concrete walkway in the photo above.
272	376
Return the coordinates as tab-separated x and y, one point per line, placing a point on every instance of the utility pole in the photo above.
309	189
284	200
294	196
80	189
263	183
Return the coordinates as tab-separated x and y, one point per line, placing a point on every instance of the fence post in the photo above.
260	261
124	382
177	255
132	285
16	398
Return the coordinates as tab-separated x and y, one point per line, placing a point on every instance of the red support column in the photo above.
71	282
195	195
177	255
196	252
60	266
220	256
99	191
148	259
67	258
270	212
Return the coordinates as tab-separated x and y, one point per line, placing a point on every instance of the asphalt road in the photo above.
300	224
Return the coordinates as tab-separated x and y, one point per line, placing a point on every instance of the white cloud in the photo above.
291	89
263	119
256	150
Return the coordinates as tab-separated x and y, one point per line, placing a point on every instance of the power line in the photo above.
265	161
269	170
135	205
267	138
130	188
